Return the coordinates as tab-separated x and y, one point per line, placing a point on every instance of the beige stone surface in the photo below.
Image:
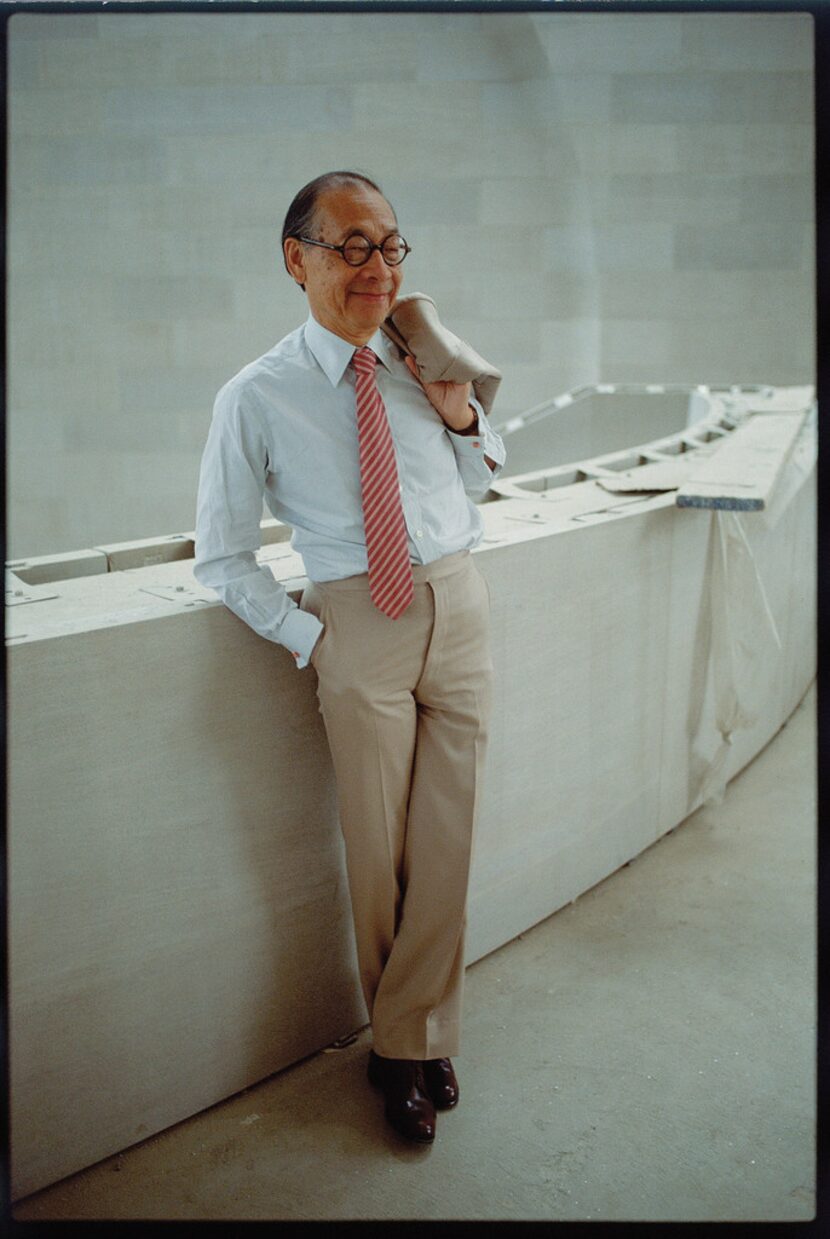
179	912
179	923
650	1049
742	473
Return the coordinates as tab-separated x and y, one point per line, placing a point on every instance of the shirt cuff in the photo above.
298	633
470	436
484	443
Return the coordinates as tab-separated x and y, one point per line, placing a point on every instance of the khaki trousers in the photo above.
406	705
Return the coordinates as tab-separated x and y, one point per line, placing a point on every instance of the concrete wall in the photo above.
590	197
179	925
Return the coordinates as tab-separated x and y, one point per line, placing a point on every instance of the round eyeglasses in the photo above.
358	249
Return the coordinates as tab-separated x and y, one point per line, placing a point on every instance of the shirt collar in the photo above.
333	354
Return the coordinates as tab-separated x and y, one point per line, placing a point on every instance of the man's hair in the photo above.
299	218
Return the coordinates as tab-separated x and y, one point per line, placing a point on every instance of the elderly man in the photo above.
375	472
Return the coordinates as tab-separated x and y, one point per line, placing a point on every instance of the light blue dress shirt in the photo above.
285	428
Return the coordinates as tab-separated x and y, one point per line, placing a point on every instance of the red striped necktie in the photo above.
390	571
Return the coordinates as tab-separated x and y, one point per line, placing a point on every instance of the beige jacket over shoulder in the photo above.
440	355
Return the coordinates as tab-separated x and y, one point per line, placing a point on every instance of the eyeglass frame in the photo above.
407	249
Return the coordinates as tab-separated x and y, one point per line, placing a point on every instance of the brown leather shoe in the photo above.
409	1108
441	1083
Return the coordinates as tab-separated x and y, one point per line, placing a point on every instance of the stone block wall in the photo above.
589	197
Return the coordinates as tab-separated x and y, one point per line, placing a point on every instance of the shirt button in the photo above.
476	443
419	533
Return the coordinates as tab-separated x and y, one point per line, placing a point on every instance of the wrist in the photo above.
472	427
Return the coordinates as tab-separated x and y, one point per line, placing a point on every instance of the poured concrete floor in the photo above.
647	1053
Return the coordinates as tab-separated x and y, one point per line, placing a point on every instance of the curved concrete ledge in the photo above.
179	922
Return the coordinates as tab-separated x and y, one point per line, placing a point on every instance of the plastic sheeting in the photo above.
741	632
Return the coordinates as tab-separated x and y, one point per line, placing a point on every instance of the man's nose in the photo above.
376	266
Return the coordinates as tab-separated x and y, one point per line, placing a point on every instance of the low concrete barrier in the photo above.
179	922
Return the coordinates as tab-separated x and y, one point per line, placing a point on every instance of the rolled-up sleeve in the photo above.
228	513
470	451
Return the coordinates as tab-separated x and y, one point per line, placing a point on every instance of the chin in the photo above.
374	314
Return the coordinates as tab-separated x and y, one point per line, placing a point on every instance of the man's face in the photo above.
352	302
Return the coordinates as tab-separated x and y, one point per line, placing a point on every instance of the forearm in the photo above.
228	535
252	593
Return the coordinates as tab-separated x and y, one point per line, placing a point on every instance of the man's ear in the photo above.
294	259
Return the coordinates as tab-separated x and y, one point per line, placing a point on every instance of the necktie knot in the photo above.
364	360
